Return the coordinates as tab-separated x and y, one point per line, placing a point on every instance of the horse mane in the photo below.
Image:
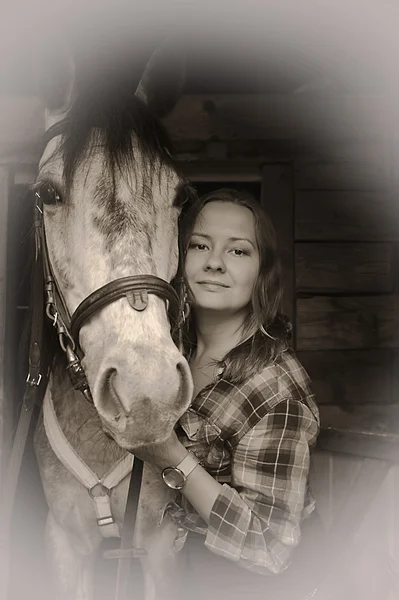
113	117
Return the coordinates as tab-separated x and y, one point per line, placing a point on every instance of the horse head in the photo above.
111	202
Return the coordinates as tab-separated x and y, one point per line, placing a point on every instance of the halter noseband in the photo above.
135	288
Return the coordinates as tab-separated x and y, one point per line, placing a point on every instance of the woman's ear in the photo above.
163	79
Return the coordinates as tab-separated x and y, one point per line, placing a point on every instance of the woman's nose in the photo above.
214	262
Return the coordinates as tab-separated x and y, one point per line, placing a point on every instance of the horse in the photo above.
110	198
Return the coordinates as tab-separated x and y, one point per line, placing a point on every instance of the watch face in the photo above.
174	478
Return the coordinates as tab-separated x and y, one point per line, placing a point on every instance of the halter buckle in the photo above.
33	381
101	521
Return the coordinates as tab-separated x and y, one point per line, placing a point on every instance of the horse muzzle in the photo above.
140	394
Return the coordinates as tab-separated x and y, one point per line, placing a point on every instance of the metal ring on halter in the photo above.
98	490
69	340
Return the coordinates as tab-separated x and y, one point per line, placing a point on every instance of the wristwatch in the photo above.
176	477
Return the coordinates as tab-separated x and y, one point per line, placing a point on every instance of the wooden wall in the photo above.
335	207
346	248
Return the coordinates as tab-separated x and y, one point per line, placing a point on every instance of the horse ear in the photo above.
163	79
54	74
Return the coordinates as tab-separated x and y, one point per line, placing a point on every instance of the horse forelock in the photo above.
115	149
122	127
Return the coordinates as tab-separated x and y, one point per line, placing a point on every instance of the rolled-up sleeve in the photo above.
256	521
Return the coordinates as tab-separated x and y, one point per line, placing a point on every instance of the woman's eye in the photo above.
48	194
239	252
198	246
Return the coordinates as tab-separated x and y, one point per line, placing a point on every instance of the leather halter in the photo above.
135	288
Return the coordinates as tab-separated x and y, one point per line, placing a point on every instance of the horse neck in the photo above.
81	424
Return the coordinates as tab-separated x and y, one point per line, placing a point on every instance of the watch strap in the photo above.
188	464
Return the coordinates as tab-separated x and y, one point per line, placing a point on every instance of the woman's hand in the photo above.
165	454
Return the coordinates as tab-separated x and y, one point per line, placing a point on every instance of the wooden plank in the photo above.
346	216
370	430
345	167
278	200
349	377
318	116
222	171
372	420
257	151
21	123
319	175
359	444
345	267
333	323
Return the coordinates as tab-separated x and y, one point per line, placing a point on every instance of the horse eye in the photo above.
48	194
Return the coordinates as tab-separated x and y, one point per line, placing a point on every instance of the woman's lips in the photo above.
212	284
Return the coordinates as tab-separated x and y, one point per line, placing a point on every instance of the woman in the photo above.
240	457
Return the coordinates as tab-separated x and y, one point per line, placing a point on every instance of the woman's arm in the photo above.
256	520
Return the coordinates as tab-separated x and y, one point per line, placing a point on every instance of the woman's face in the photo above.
222	261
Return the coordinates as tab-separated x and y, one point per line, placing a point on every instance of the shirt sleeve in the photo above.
256	520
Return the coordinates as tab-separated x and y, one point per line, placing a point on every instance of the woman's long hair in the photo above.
266	331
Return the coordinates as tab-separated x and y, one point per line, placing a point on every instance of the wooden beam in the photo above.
285	118
347	323
351	377
234	171
319	116
344	268
346	215
354	165
369	431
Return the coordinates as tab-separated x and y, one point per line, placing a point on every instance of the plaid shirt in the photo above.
254	438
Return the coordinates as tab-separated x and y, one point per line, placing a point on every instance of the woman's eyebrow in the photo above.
230	239
241	239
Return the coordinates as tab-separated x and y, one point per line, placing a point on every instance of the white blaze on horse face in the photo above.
139	381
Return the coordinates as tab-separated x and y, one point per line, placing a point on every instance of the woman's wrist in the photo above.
173	456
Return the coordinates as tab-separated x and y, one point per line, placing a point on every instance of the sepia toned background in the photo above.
298	104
